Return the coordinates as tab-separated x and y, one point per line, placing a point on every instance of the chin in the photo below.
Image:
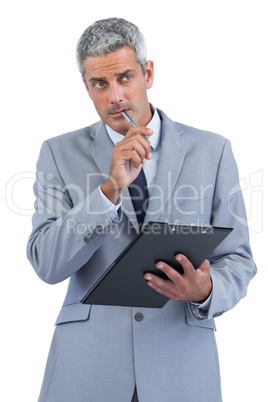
119	127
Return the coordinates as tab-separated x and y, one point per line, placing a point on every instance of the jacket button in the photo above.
86	239
218	314
138	317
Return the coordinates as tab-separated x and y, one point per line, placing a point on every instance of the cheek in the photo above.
99	102
137	93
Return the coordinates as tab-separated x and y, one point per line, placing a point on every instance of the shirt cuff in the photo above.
112	209
200	309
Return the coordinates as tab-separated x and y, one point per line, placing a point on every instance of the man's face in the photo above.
115	82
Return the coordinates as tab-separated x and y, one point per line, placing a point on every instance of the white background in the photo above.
210	72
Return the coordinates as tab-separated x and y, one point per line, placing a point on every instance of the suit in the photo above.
99	353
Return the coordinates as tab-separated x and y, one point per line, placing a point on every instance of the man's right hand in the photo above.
128	157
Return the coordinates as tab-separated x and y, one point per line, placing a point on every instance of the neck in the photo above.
146	117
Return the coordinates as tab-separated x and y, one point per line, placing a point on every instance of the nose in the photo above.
116	95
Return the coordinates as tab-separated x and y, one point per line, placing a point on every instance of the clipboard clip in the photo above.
172	227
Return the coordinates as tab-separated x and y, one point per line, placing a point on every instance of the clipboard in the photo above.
123	283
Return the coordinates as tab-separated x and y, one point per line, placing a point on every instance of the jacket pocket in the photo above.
73	312
191	320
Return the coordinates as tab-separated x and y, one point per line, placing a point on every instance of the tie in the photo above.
139	195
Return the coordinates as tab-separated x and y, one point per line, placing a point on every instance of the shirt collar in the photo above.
154	124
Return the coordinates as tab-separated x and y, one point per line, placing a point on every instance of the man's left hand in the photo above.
194	285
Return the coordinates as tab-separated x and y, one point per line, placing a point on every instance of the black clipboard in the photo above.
123	283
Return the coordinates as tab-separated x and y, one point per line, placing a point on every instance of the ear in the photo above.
149	74
87	88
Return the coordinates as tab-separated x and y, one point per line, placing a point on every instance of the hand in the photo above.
128	157
194	285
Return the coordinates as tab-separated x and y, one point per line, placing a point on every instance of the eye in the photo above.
99	84
126	77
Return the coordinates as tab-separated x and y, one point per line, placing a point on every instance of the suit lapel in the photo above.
102	149
173	151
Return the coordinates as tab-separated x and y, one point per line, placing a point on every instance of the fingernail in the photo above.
179	258
149	130
160	266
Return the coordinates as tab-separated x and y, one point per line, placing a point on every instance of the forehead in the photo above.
111	64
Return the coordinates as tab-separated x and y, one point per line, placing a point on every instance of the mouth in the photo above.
118	113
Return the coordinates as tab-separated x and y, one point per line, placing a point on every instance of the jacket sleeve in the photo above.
232	266
58	245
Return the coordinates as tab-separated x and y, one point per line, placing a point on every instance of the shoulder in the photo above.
80	136
192	134
201	135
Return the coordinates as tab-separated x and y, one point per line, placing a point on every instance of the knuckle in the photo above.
135	140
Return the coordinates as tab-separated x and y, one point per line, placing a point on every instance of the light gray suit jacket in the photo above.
99	353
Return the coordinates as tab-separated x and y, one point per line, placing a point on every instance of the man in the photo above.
84	214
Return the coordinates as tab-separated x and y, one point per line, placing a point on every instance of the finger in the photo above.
145	144
205	266
137	143
142	134
163	286
138	147
139	130
186	264
171	273
132	155
123	149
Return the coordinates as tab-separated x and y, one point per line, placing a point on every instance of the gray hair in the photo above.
108	35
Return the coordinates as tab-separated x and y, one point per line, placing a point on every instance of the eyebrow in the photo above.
128	71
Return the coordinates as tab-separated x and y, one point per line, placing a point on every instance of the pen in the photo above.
128	118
